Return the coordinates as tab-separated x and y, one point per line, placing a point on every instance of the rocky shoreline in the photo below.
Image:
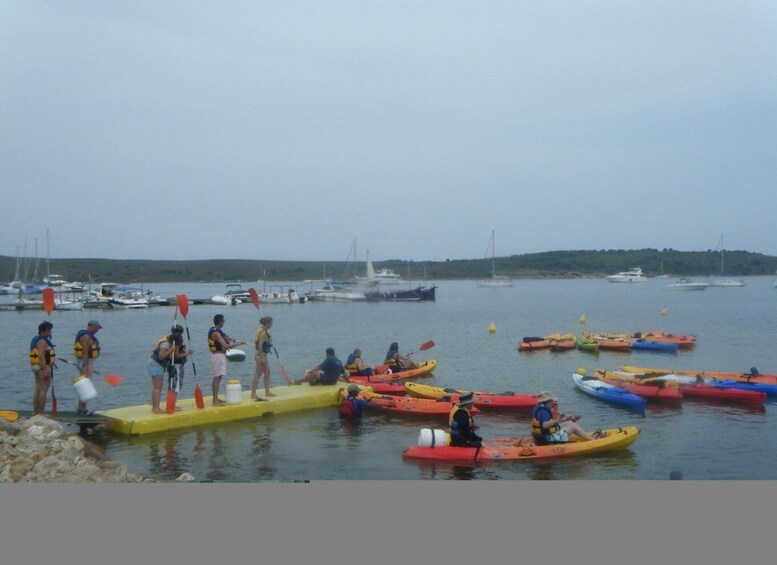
39	450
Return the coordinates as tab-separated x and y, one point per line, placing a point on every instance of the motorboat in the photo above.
373	278
685	283
330	292
418	294
236	290
633	275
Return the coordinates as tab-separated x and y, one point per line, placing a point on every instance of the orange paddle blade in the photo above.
254	297
113	380
198	400
48	300
428	345
9	415
183	304
170	407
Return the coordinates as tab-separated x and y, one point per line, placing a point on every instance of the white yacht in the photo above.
633	275
685	283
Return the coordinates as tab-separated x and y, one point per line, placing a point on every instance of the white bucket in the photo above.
84	389
433	438
234	392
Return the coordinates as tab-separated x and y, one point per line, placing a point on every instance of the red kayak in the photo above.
511	400
724	394
649	392
392	389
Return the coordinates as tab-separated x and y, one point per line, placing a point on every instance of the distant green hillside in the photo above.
551	264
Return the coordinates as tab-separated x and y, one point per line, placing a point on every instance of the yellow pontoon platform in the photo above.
139	420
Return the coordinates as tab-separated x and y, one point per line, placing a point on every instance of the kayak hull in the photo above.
522	402
424	369
690	387
510	449
609	393
649	392
411	405
719	375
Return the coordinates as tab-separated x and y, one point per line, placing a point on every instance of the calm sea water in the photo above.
701	440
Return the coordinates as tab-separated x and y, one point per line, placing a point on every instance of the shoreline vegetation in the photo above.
551	264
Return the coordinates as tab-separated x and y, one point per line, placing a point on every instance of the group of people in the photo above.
86	348
170	354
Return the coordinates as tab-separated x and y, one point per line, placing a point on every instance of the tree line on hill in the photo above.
550	264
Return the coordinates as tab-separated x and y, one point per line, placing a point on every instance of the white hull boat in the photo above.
634	275
495	280
687	284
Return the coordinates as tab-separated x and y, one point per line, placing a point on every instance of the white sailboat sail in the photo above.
495	280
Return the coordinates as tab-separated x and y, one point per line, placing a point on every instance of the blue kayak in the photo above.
609	393
768	389
654	345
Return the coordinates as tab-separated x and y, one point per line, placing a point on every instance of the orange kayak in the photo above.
411	405
423	369
522	402
612	344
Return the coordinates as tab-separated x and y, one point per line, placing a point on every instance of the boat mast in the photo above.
493	255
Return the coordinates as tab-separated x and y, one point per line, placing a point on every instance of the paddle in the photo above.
183	305
9	415
254	297
112	379
285	374
424	346
48	300
171	394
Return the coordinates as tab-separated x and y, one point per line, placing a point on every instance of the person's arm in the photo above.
165	352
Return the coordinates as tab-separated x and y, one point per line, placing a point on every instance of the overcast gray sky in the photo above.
285	130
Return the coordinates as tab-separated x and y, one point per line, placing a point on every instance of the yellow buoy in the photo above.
492	328
664	311
581	371
582	319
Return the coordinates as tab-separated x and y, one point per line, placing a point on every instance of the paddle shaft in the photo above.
283	370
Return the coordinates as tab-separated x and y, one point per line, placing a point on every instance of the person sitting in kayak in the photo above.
351	406
328	372
396	361
547	429
355	365
462	427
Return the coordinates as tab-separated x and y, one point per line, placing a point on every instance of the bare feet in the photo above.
177	409
217	402
158	411
268	393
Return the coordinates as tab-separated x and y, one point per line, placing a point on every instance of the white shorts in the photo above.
219	363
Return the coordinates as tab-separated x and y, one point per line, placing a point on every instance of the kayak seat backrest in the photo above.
530	339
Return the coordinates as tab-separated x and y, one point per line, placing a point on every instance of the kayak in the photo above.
411	405
587	345
682	341
646	391
524	402
750	377
393	389
524	448
425	368
681	380
654	345
609	393
611	344
564	342
532	343
704	388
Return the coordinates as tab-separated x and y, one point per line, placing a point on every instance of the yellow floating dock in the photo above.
139	420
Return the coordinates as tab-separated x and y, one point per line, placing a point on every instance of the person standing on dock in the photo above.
42	359
86	349
263	346
218	343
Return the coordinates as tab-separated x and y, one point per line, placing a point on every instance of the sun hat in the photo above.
546	395
465	399
353	388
